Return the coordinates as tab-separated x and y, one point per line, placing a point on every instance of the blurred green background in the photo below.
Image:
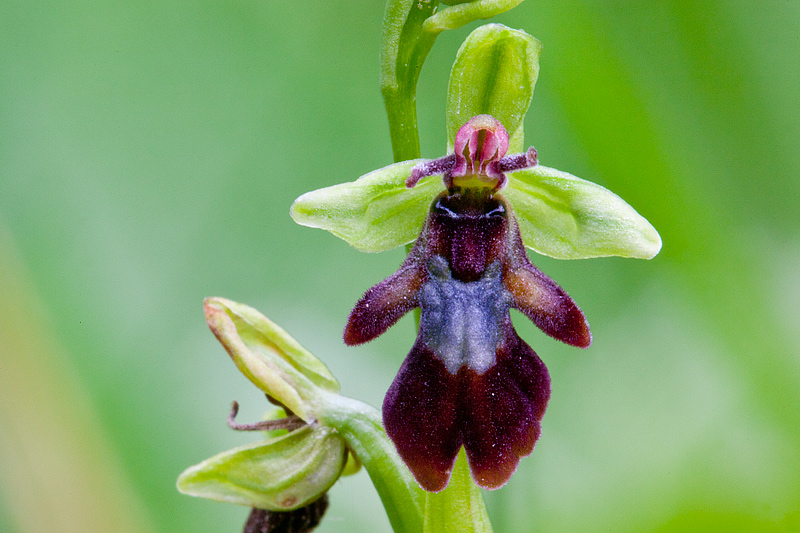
149	152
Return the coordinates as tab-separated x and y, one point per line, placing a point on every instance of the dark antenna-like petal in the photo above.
383	305
547	305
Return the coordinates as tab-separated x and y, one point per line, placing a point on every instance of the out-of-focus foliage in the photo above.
149	152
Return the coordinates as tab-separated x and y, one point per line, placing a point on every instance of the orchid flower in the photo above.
469	379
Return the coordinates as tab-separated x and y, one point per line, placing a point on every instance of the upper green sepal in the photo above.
278	474
374	213
565	217
494	74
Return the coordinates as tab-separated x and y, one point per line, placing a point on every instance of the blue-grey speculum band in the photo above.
460	321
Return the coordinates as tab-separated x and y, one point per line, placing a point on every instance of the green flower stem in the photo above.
402	112
410	28
459	507
404	47
360	425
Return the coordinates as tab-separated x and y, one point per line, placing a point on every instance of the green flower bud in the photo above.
288	471
270	357
278	474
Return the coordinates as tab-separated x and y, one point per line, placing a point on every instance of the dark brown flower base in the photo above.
300	520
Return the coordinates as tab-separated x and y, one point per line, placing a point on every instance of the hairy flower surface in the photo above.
469	379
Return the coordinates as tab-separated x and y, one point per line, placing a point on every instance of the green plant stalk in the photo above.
460	506
360	425
404	47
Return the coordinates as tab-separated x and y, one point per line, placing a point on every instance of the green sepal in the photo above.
565	217
279	474
466	11
269	357
374	213
494	74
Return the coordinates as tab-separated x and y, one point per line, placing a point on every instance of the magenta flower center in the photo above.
479	157
479	142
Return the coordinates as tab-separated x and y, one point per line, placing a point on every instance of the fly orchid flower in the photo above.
469	379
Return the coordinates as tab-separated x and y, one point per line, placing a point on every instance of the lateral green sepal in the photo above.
374	213
566	217
278	474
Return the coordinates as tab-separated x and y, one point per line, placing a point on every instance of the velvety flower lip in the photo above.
469	379
480	152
